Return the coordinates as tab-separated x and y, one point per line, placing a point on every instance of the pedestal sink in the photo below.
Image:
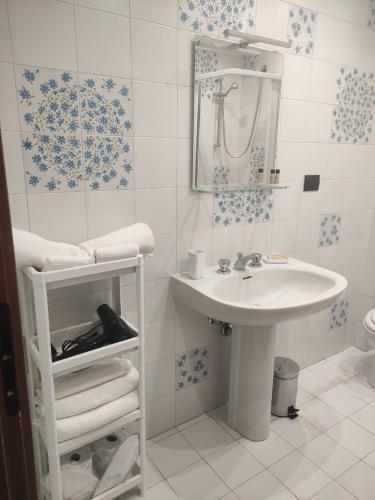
273	294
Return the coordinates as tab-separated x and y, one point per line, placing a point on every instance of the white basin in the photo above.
273	294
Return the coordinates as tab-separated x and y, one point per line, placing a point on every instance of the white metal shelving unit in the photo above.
43	371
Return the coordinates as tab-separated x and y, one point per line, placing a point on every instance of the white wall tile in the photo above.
13	162
227	242
191	402
289	161
156	207
257	238
185	110
272	19
296	80
308	233
8	98
191	329
284	233
194	210
43	33
286	201
324	82
155	160
185	57
160	415
155	109
109	210
19	211
163	261
293	120
319	122
103	43
120	7
5	46
159	340
162	11
58	216
199	238
160	378
154	52
185	162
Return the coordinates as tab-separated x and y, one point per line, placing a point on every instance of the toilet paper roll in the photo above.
104	450
81	457
196	263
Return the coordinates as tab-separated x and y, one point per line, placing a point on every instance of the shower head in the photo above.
234	86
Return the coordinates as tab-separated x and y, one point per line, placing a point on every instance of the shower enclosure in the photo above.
236	102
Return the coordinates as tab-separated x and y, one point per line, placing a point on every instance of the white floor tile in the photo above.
328	455
229	496
330	372
270	450
303	396
191	422
299	475
160	437
360	481
207	436
297	432
198	481
320	415
234	464
152	474
161	491
342	401
221	418
365	417
172	454
352	360
313	383
263	487
333	492
353	437
359	387
370	460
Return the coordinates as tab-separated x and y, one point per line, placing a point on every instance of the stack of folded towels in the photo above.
92	397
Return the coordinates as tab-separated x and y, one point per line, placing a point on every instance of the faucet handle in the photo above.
224	266
255	259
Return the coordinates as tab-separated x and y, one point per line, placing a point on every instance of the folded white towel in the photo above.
70	427
137	233
116	252
102	372
55	263
91	398
32	250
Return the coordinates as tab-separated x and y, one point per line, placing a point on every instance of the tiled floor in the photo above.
328	453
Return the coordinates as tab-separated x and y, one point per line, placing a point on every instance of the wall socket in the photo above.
312	183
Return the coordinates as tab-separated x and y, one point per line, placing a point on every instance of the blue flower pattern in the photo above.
191	367
339	314
353	113
371	14
242	207
330	226
56	109
302	25
205	62
214	16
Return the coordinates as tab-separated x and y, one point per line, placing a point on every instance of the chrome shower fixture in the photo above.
222	95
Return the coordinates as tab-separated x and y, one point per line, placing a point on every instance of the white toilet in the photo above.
369	326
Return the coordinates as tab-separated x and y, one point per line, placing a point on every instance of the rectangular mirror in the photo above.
236	103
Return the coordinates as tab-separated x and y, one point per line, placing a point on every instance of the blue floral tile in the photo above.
330	226
353	113
106	106
371	14
206	61
47	100
302	25
107	162
52	162
249	61
242	207
214	16
339	314
191	367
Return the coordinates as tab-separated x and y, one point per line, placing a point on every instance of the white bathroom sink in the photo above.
275	292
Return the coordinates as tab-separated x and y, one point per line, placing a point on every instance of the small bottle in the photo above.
272	176
277	176
260	176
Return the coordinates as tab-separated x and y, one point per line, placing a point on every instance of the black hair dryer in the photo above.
115	328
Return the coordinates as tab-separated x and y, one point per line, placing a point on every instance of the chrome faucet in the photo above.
254	260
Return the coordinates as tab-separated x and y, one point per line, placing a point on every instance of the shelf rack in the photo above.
43	371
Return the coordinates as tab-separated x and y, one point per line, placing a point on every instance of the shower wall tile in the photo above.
157	207
103	43
8	99
272	19
191	367
154	52
215	17
302	27
238	207
35	39
162	12
120	7
156	160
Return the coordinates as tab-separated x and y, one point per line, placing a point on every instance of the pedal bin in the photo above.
284	392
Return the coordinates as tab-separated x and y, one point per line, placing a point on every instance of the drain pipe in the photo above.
225	328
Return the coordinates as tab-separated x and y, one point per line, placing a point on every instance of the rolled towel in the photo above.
139	233
78	381
55	263
32	250
91	398
71	427
116	252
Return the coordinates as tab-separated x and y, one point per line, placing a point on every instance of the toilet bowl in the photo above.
369	326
